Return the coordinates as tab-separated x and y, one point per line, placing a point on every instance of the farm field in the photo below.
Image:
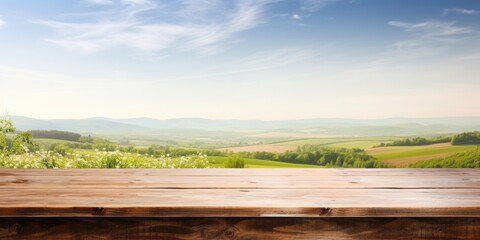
260	148
363	143
258	163
402	156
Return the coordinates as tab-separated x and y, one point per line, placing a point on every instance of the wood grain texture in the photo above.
240	228
242	172
317	181
240	193
240	202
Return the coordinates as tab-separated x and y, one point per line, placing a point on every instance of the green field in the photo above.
363	143
403	156
257	163
404	152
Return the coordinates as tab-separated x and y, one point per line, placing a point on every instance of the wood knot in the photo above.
229	234
20	181
14	229
324	211
98	211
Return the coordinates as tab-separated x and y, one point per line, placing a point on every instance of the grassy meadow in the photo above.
403	156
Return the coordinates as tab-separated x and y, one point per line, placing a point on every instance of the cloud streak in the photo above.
150	26
430	37
314	5
433	29
424	40
447	11
2	23
100	2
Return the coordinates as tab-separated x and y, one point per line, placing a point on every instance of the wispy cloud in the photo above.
146	25
307	7
101	2
447	11
424	40
433	29
428	38
2	23
314	5
96	36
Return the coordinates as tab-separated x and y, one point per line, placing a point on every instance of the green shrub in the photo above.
235	161
470	159
49	162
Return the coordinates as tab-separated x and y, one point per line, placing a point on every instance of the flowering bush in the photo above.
99	159
18	155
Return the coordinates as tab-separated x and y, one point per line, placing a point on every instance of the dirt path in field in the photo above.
293	135
403	162
260	148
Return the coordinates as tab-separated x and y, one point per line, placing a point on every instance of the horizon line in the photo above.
236	119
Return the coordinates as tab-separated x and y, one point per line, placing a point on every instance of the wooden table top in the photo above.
240	192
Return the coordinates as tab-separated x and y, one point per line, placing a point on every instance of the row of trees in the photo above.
416	141
322	156
467	138
54	134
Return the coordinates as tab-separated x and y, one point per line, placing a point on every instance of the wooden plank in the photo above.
241	228
241	202
318	181
243	193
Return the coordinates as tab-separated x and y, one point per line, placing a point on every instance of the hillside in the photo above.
343	127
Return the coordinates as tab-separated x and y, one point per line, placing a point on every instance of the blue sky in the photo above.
245	59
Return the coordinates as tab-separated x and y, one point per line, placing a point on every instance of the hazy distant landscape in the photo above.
395	142
194	132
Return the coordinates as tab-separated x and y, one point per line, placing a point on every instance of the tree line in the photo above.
321	156
55	134
416	141
466	138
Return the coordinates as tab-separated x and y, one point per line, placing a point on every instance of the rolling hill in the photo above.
234	132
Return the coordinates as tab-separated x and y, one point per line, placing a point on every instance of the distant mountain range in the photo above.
350	127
